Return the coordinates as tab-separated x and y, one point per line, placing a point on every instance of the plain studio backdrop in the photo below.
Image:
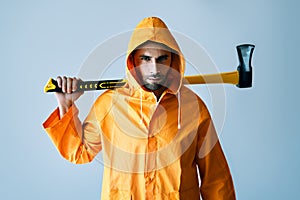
260	128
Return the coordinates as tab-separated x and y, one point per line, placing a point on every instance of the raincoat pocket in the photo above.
174	196
171	196
120	195
192	193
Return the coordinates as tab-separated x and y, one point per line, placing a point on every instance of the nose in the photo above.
154	68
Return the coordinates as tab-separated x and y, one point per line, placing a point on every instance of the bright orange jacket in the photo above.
150	149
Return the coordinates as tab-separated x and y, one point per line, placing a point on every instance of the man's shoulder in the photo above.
108	95
187	92
104	97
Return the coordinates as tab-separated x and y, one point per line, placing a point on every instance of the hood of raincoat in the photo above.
155	30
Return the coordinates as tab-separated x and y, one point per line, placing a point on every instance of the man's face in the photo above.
152	64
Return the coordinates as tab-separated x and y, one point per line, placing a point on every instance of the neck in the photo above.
159	92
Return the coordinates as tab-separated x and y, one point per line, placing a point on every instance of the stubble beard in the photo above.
155	85
152	86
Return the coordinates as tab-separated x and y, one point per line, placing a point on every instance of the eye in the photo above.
162	59
145	58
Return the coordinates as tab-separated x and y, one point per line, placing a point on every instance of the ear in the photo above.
175	62
131	59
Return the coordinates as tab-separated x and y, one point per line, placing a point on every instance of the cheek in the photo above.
164	68
143	70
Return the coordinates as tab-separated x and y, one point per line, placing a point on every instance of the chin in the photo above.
152	87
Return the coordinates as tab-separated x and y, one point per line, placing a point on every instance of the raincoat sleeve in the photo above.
79	143
216	180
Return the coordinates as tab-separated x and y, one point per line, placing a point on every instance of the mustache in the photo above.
155	76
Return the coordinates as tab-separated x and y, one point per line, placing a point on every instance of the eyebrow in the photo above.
162	56
145	56
159	57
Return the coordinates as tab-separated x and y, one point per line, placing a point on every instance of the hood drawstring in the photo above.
141	106
179	111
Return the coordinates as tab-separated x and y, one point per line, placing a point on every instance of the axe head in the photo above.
245	69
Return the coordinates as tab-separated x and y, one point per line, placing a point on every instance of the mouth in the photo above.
155	79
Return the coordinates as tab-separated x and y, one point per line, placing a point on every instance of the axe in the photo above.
242	77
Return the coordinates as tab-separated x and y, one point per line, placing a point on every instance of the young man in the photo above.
156	135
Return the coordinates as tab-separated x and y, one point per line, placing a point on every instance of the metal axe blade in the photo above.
245	52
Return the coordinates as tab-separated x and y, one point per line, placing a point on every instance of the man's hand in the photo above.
68	96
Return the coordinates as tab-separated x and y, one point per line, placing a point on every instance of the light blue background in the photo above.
42	39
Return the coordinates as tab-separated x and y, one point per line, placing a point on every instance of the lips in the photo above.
154	78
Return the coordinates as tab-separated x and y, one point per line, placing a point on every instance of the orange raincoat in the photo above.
151	149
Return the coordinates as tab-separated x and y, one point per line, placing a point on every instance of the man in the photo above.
156	135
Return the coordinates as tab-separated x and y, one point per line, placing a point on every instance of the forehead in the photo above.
153	45
153	48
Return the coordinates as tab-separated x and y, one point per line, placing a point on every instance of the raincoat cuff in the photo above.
54	118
